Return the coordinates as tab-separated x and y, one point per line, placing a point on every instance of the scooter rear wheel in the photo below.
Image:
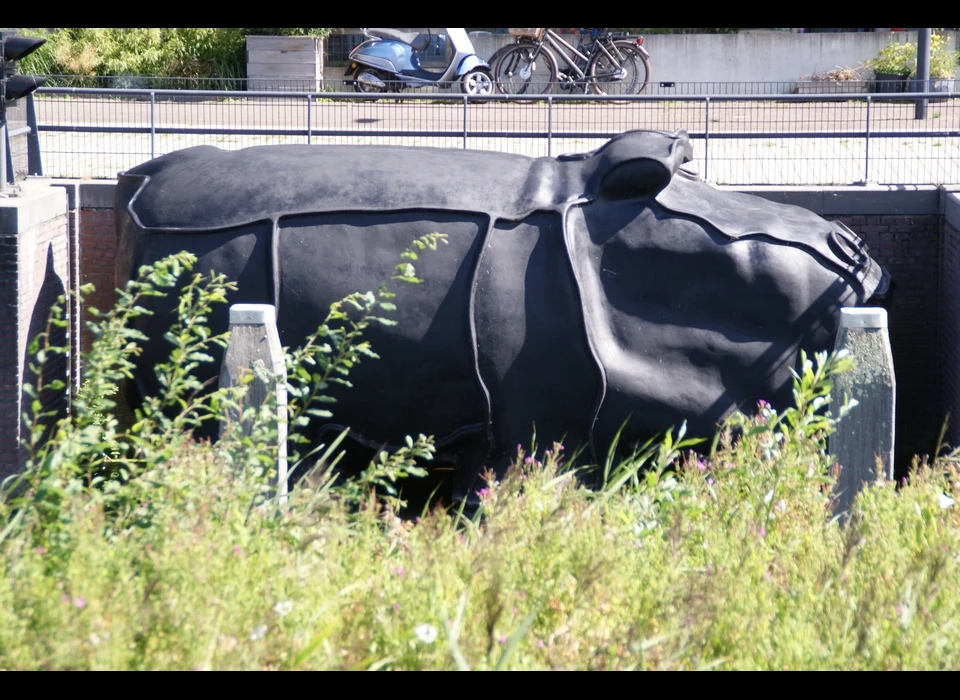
360	86
477	82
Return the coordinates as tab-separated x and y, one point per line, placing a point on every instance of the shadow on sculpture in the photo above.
574	291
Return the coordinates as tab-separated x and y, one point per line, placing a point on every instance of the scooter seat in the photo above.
418	41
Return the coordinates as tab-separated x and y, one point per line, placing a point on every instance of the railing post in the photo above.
867	434
706	139
34	160
309	119
549	126
464	121
153	125
866	157
255	343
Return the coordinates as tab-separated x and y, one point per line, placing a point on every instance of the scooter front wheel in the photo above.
477	82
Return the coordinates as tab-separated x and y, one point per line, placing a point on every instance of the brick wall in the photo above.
34	273
9	365
97	236
909	247
949	345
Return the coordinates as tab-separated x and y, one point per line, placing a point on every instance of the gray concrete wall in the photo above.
701	60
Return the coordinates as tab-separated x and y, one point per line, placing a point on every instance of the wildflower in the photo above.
258	633
638	544
483	493
502	639
709	569
540	644
523	595
945	501
701	467
79	603
283	608
396	607
400	571
237	549
528	460
64	598
427	634
763	532
41	550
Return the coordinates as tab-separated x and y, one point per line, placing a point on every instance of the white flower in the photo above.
945	501
258	633
283	608
426	633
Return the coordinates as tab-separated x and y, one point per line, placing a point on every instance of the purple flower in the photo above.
763	532
396	607
502	639
41	550
528	460
400	571
237	549
540	644
80	603
701	467
483	493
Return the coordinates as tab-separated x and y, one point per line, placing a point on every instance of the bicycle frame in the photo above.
555	40
558	43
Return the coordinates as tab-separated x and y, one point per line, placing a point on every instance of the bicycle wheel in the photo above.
619	69
526	69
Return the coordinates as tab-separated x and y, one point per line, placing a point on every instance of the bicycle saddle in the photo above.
418	41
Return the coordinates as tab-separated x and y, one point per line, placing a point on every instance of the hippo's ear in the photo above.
637	178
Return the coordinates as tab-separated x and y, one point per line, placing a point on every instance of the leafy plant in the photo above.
896	58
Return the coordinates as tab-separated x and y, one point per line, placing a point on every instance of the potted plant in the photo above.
943	65
892	66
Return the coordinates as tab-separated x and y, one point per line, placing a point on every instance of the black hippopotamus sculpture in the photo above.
574	291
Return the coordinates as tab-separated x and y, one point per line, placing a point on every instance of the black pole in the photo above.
923	70
3	152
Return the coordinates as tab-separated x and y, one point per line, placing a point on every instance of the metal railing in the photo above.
739	139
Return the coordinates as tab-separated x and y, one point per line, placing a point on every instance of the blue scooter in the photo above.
390	61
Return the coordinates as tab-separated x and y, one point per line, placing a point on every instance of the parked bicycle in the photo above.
603	62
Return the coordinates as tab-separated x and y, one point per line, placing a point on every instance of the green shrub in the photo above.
174	52
179	555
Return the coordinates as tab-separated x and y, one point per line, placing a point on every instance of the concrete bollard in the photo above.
254	341
866	435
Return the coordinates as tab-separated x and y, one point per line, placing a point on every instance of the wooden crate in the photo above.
285	63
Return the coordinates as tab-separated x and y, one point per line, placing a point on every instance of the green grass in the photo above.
147	550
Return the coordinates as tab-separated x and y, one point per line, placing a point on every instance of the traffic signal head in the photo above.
12	85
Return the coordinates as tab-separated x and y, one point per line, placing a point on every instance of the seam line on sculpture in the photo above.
275	264
474	344
578	288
